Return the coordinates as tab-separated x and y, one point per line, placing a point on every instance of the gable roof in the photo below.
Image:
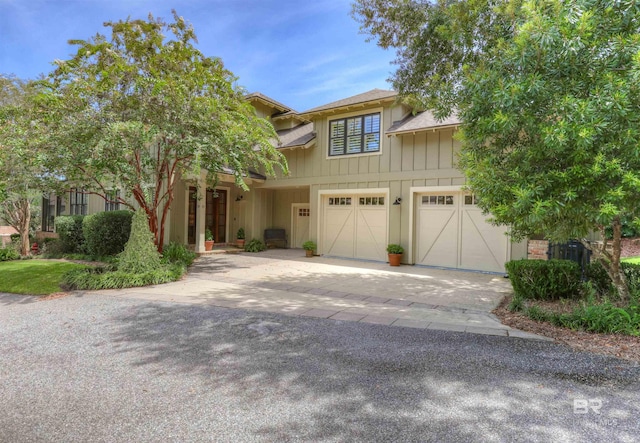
269	102
421	122
374	95
301	136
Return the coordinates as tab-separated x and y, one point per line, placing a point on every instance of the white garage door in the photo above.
355	226
451	231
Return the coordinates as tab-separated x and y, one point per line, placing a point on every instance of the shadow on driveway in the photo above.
318	380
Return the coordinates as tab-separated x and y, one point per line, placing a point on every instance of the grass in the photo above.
36	277
635	260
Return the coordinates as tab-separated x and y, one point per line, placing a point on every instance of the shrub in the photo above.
604	318
52	247
102	278
255	245
140	255
544	279
8	253
69	229
240	235
106	233
177	253
599	279
309	245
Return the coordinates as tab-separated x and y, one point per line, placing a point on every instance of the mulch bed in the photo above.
621	346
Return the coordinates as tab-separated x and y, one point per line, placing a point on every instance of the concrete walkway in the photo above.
286	282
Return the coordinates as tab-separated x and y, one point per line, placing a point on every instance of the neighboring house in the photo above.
5	235
364	172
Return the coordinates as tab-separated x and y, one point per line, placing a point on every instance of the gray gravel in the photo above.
100	368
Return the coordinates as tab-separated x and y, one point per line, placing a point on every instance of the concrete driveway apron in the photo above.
284	281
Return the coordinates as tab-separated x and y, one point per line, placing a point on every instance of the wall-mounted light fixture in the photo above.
240	197
397	202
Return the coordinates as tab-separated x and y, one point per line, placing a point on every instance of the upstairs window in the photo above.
112	203
78	202
354	135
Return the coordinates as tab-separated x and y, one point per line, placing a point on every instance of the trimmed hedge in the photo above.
140	254
106	233
544	279
69	229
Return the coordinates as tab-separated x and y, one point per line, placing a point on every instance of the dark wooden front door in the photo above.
193	213
216	218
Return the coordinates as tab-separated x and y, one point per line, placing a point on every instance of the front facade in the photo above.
364	172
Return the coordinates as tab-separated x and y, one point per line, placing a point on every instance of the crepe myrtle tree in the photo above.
23	126
552	128
144	107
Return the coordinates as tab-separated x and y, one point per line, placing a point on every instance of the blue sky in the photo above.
303	53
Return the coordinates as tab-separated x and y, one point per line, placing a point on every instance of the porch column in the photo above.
201	215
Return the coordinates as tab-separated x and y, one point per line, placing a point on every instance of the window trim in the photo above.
347	115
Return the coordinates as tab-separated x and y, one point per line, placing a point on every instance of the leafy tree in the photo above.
22	175
436	42
141	109
559	107
548	94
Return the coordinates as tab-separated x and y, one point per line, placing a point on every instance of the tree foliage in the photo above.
436	42
145	107
552	129
548	94
23	127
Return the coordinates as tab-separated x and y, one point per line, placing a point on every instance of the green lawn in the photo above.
635	260
37	277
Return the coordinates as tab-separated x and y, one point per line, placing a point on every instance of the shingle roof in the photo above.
260	96
298	136
420	122
369	96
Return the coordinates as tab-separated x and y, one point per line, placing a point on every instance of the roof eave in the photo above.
307	145
417	130
340	109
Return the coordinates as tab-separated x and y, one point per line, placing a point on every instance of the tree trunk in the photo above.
615	271
25	209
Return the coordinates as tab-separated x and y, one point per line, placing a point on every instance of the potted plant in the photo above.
208	240
309	246
395	254
240	238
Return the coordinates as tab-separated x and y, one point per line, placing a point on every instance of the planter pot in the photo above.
208	245
394	259
240	243
309	252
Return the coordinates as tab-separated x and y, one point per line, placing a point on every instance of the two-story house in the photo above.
364	172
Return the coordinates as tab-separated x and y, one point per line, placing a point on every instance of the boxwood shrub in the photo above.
544	279
106	233
69	229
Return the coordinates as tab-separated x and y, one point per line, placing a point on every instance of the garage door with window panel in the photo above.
452	232
355	226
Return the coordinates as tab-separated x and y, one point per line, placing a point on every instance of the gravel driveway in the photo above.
107	369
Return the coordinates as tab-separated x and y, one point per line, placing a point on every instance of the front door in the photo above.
216	214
